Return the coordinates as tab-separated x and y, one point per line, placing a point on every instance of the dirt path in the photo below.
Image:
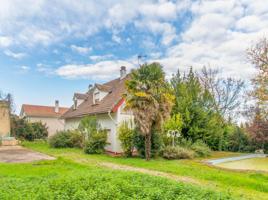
150	172
18	154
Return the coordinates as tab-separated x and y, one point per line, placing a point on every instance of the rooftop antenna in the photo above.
140	56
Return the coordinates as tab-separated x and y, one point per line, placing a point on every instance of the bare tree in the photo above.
258	56
226	92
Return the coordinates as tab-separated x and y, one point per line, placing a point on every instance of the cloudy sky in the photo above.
50	49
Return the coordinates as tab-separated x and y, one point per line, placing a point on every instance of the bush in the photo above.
94	136
201	149
177	152
126	136
238	140
139	143
40	130
66	139
96	142
24	130
172	124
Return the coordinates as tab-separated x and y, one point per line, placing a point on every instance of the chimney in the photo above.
123	72
57	108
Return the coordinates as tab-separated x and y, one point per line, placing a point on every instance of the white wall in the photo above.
122	116
71	124
53	124
107	123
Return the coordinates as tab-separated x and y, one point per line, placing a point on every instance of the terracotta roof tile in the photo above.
42	111
117	89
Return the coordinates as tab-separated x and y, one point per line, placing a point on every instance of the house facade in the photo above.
48	115
106	102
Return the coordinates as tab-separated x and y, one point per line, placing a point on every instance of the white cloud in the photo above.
81	50
101	71
33	23
162	10
250	23
31	36
218	35
164	29
14	55
25	68
97	58
5	41
45	69
216	32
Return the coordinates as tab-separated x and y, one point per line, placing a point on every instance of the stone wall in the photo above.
4	119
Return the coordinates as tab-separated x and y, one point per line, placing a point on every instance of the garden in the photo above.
74	170
178	126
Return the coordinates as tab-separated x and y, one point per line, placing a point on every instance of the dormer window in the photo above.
75	103
97	97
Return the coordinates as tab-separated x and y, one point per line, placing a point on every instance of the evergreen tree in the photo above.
194	104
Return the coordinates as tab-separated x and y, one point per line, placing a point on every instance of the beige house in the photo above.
104	101
4	119
48	115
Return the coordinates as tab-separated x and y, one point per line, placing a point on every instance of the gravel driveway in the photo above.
18	154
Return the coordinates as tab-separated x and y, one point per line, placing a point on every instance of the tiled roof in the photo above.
80	96
42	111
105	88
117	89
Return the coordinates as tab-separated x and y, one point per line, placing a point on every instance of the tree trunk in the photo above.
148	146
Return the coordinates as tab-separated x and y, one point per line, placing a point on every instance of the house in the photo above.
48	115
4	119
104	101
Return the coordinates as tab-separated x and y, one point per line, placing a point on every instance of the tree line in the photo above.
205	102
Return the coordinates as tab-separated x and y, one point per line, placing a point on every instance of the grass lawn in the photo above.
74	165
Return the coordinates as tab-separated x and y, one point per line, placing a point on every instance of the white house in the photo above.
48	115
104	101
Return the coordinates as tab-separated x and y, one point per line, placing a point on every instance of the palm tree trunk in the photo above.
148	146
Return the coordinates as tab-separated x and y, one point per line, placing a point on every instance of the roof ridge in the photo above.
34	105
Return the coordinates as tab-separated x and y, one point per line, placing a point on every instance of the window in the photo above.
75	104
97	97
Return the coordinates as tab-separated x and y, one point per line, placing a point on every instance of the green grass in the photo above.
62	179
241	185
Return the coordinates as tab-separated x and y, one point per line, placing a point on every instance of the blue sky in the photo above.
51	49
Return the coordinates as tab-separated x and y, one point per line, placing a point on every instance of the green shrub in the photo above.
95	138
177	152
201	149
185	143
76	139
156	143
40	130
24	130
66	139
96	142
238	140
126	136
172	124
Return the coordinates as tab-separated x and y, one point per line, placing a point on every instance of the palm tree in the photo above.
149	98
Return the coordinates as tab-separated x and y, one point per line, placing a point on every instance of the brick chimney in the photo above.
57	108
123	72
